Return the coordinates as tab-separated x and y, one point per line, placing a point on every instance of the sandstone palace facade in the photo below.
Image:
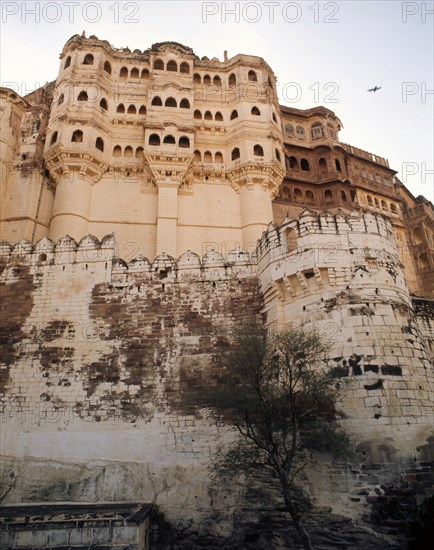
150	200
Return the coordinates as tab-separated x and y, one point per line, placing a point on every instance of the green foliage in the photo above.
279	395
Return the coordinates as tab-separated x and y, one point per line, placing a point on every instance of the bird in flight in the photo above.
374	89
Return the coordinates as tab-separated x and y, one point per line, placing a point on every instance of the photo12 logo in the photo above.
416	11
71	12
271	12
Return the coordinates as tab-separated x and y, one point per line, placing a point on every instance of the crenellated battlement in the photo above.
89	252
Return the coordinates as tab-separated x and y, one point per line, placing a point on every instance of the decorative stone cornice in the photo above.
268	174
168	169
61	161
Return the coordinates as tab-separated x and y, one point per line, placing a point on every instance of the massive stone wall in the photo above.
98	357
342	276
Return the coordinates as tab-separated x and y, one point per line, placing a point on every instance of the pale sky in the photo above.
322	52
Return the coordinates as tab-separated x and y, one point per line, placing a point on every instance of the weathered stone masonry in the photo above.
101	355
169	152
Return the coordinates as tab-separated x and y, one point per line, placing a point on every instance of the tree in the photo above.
280	396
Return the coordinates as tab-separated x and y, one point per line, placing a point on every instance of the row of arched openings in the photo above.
131	109
134	73
77	137
89	59
128	152
208	156
171	66
155	140
293	164
258	151
170	102
308	196
207	79
373	201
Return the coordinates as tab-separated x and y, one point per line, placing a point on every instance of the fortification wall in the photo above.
100	356
97	358
342	276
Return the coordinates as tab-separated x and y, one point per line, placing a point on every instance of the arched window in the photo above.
169	139
139	153
304	165
61	99
170	102
145	73
218	157
258	151
77	136
123	72
286	193
196	78
338	165
157	101
322	165
331	131
299	130
134	73
317	130
53	138
234	114
423	261
343	196
235	154
120	108
132	110
393	208
207	80
197	115
159	65
128	152
117	151
154	139
207	156
252	76
218	116
255	111
310	197
232	79
418	236
142	110
184	142
184	68
384	205
88	59
107	67
103	104
328	196
298	195
217	81
293	163
82	96
197	156
276	151
67	62
99	144
208	115
172	66
185	104
369	199
289	129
